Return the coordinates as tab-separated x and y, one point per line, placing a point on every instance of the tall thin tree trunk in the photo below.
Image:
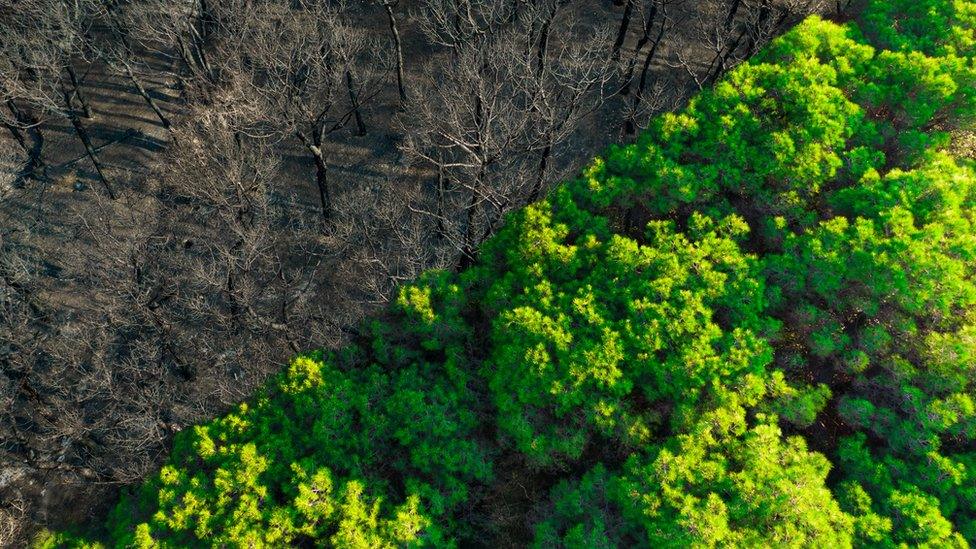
18	137
14	130
645	37
86	141
190	62
622	32
354	99
630	126
394	30
322	181
76	92
540	178
733	10
764	13
724	59
202	29
467	249
314	146
441	228
235	307
540	69
469	246
35	160
148	99
540	54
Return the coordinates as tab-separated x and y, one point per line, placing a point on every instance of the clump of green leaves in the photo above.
615	339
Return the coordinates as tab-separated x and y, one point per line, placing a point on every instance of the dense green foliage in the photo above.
754	326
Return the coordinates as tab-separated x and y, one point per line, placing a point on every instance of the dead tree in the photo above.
42	38
566	86
388	7
622	31
454	25
21	124
497	112
657	24
649	14
196	37
309	73
200	296
473	129
121	55
734	30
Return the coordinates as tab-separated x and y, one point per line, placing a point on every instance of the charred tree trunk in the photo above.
86	141
398	46
645	37
18	137
148	99
441	228
540	69
733	10
354	99
540	56
26	120
76	92
540	178
314	146
322	181
622	32
202	30
630	126
756	35
190	63
723	58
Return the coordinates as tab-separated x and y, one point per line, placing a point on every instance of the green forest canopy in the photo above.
754	326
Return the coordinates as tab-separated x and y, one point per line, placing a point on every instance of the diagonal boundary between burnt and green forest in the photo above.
754	326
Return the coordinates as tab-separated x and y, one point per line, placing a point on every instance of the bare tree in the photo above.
306	70
41	39
657	23
185	32
567	86
389	6
121	54
733	30
455	24
501	106
474	131
650	14
622	31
